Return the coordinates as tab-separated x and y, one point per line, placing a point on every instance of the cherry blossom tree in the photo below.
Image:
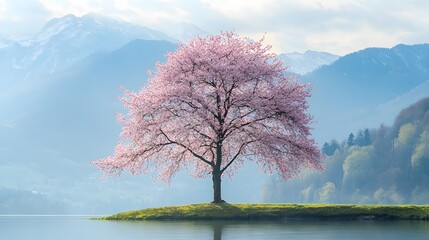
217	102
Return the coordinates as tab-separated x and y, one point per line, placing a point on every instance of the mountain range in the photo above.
65	41
59	95
367	88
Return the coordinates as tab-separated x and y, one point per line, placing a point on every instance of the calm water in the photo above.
80	228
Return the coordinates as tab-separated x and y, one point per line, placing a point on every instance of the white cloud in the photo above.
20	17
241	9
338	26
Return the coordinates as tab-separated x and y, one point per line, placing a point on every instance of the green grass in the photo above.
282	212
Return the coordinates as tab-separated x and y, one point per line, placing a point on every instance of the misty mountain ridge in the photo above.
302	63
362	84
389	71
386	112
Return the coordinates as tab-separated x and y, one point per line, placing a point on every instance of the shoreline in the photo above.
276	212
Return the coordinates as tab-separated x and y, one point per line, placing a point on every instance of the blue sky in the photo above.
337	26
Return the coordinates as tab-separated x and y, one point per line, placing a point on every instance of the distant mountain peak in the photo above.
55	21
302	63
63	41
54	27
91	23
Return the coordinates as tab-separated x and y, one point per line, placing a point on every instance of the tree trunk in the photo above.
217	198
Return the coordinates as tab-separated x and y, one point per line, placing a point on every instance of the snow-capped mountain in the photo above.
93	25
63	41
302	63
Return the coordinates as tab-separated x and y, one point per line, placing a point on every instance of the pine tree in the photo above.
367	137
351	140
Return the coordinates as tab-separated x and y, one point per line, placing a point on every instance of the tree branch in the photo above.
235	156
187	148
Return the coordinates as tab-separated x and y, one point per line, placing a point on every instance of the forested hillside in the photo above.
383	165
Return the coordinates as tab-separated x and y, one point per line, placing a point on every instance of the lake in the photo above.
81	228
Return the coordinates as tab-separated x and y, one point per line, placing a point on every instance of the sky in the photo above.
336	26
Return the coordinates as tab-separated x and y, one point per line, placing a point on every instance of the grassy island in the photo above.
277	212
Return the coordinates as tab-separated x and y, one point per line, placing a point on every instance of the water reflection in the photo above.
53	228
217	230
316	230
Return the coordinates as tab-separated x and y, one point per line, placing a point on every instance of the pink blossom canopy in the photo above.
216	95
